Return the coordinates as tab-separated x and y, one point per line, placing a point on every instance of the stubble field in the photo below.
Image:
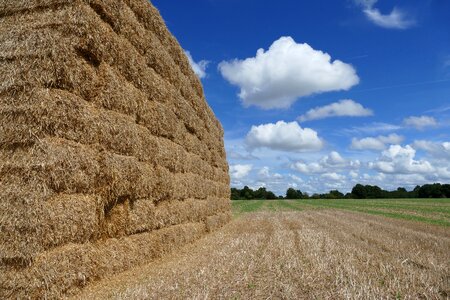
314	249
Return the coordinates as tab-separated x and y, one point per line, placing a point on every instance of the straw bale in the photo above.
123	22
84	79
35	220
189	185
151	20
22	6
48	112
67	167
119	95
17	216
59	165
145	215
26	12
163	65
65	270
108	147
177	160
217	221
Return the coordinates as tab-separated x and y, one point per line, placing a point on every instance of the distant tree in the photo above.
446	190
359	191
401	190
348	196
235	195
246	193
293	194
260	193
399	193
431	191
374	192
335	194
270	195
415	192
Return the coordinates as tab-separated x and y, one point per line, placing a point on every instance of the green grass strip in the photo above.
372	206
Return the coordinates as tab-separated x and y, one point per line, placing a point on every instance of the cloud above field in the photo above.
265	173
239	171
333	176
420	122
276	78
375	143
199	68
396	19
342	108
401	160
329	163
282	136
438	150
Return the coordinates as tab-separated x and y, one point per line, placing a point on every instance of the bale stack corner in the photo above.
109	153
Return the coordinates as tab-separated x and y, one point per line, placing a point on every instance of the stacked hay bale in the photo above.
109	154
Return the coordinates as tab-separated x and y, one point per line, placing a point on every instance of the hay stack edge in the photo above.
109	154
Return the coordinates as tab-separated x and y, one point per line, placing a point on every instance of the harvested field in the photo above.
431	211
270	251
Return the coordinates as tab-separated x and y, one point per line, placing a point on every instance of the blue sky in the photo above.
340	92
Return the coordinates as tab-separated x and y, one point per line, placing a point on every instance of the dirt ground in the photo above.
323	254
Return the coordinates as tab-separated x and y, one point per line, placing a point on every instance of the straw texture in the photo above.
109	154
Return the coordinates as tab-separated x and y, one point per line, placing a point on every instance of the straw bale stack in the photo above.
109	153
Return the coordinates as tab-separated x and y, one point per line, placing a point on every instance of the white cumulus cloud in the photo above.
353	174
240	171
375	143
327	164
333	159
342	108
400	160
420	122
308	168
276	78
283	136
333	176
264	173
396	19
198	67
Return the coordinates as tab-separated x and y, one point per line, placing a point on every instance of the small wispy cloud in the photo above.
372	128
420	122
342	108
439	109
198	67
375	143
396	19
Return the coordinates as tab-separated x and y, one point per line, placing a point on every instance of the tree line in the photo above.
359	191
